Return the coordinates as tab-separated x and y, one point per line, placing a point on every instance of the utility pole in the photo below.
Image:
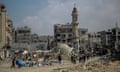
116	37
48	46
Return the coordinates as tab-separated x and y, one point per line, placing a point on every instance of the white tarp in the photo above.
25	52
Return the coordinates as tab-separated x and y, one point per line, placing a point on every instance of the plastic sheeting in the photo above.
20	63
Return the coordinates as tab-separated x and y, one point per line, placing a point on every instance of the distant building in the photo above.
106	39
48	41
95	40
22	38
83	36
34	38
116	37
111	38
94	43
63	33
41	42
23	35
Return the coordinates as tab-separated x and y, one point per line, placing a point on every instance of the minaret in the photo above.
75	28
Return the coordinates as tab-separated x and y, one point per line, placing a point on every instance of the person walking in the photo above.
14	62
73	58
59	58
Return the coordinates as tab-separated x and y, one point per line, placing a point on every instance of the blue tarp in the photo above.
20	63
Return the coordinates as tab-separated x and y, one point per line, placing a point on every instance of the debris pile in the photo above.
92	67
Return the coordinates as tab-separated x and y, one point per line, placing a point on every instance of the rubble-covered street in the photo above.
66	66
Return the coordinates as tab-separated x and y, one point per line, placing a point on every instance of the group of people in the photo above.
20	63
73	58
16	62
47	60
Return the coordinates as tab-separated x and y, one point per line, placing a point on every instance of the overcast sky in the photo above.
41	15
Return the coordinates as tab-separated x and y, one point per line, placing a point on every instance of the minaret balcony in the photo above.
75	23
74	14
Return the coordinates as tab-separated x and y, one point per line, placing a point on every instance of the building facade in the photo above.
83	36
70	34
63	33
23	35
104	41
95	40
111	38
22	38
34	38
116	38
6	26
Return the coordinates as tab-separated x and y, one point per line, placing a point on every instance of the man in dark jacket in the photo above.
59	58
14	61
